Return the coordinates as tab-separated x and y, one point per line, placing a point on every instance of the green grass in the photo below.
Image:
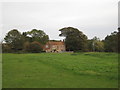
60	70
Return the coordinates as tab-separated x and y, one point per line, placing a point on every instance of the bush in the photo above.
35	47
6	48
26	47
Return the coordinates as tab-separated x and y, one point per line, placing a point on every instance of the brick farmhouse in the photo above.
54	46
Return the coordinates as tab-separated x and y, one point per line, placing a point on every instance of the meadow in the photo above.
60	70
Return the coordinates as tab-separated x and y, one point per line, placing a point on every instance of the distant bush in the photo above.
34	47
6	48
26	47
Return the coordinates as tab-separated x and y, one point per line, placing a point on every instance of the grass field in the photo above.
60	70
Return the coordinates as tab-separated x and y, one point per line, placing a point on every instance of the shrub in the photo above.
35	47
6	48
26	47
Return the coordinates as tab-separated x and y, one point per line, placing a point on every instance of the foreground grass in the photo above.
60	70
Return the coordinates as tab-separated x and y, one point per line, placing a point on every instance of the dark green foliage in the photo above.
90	45
26	38
15	40
6	48
18	42
118	39
37	35
111	42
75	40
35	47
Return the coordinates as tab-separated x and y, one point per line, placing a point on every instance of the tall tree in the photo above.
111	42
14	39
75	40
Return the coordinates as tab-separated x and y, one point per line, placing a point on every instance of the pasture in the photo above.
60	70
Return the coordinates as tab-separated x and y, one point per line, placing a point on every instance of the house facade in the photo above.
54	46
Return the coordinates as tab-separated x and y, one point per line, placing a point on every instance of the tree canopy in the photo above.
37	35
75	40
111	42
14	39
95	45
17	41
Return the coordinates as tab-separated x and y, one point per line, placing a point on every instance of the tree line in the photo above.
31	41
75	40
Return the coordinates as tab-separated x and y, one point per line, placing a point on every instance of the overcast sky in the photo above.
92	17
